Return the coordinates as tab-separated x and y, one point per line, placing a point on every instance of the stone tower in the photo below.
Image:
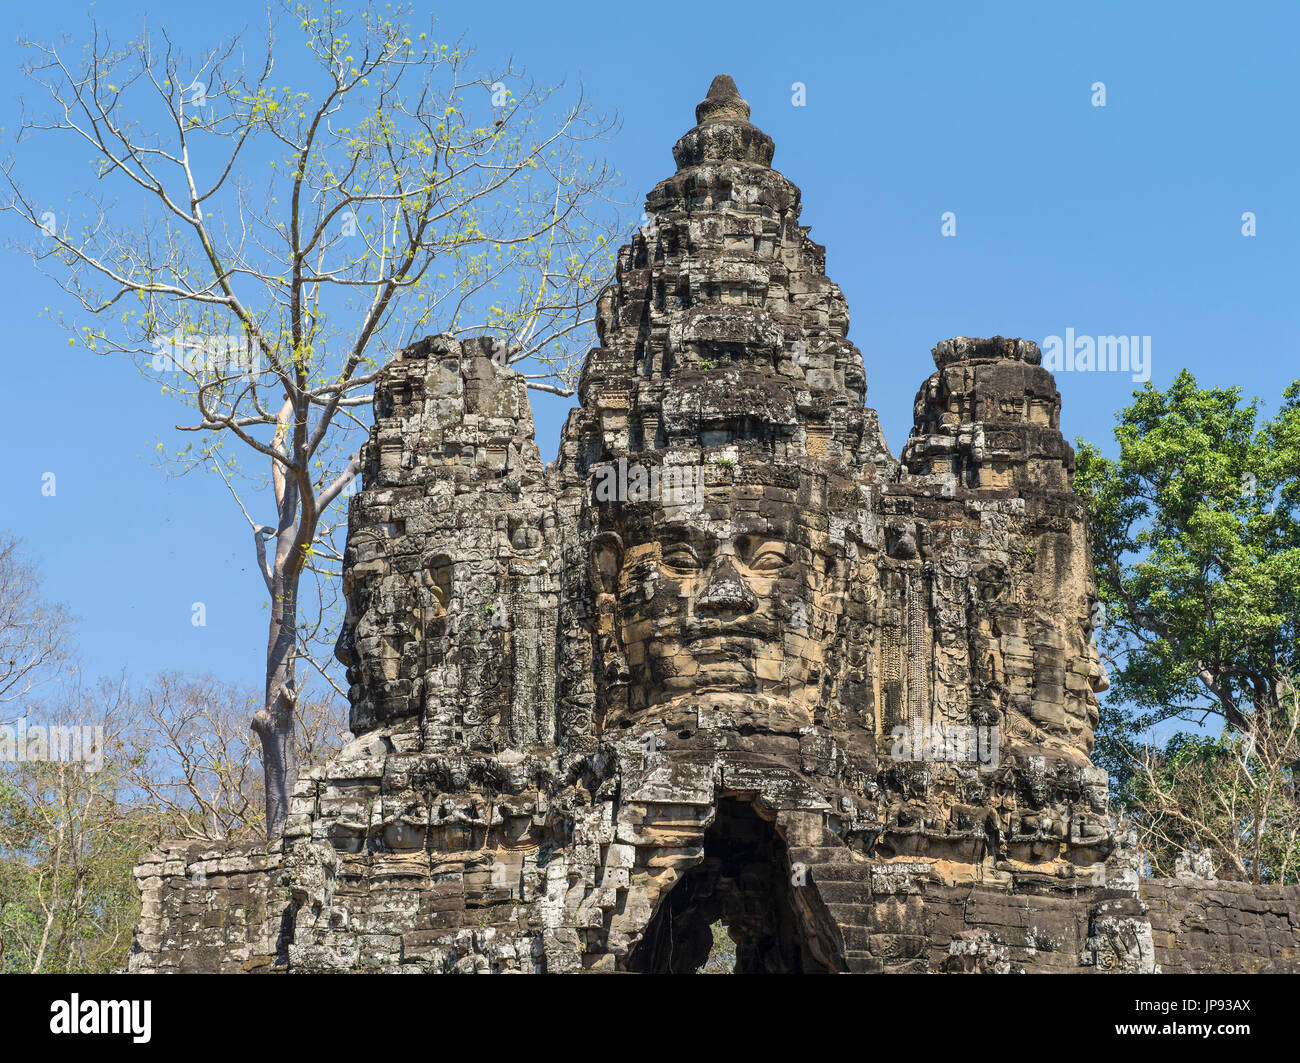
725	659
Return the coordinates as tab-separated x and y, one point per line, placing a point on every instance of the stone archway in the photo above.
744	881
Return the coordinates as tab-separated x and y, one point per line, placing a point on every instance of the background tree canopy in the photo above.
1196	542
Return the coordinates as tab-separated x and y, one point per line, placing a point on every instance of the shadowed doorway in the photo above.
744	881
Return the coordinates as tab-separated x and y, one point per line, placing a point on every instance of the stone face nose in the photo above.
1099	678
344	650
726	593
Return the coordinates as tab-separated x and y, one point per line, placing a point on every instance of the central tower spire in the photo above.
721	328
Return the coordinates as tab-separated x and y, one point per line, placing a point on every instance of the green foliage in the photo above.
177	763
68	843
1196	542
301	235
1195	531
722	956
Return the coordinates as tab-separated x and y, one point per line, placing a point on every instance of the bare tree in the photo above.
33	632
290	239
1236	797
103	772
95	774
193	758
70	835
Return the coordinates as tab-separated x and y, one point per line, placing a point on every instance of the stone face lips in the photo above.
725	659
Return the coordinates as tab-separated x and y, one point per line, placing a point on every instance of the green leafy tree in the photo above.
1196	543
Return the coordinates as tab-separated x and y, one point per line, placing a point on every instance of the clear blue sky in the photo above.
1117	220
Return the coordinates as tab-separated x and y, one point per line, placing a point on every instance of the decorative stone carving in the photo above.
726	658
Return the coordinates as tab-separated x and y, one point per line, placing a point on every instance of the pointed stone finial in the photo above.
722	131
723	103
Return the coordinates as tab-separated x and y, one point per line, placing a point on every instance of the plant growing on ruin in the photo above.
283	233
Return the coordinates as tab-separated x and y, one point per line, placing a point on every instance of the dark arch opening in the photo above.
744	882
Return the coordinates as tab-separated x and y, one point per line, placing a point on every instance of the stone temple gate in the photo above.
725	659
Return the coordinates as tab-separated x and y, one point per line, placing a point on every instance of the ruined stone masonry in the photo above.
725	659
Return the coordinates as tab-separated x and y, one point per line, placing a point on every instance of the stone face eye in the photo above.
681	557
769	557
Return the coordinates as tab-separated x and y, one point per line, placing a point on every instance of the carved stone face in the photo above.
1096	680
723	604
1069	673
392	632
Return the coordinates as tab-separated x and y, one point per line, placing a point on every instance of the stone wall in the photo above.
1229	927
221	912
210	910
